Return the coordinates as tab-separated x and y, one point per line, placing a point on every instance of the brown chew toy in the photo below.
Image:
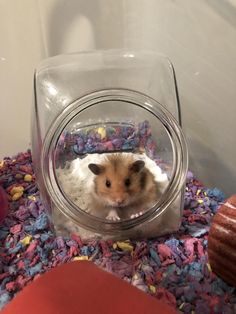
222	242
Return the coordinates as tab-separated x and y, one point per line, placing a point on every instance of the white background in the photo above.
198	36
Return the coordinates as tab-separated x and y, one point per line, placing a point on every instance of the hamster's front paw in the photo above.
113	215
136	215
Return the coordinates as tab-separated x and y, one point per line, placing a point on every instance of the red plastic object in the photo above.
82	287
3	204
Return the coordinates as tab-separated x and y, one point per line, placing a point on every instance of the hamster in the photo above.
123	187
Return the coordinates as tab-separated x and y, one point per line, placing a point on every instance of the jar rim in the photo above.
71	210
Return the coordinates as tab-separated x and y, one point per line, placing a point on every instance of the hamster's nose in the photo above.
119	201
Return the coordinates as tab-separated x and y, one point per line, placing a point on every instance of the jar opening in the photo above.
105	123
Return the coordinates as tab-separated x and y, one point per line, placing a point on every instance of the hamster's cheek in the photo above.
129	201
133	197
108	201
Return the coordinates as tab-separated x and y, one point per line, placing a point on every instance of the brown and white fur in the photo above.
123	188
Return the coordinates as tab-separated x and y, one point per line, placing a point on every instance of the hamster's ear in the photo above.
137	166
96	169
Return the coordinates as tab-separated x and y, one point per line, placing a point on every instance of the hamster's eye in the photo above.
127	182
108	183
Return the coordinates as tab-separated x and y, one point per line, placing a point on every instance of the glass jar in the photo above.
95	107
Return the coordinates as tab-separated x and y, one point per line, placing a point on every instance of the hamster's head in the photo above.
119	180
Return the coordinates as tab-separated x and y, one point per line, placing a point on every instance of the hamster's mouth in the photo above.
118	206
